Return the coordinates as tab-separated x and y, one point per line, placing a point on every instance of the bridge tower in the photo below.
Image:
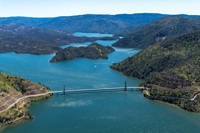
64	89
125	86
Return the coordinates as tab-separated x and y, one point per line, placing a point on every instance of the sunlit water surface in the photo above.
102	112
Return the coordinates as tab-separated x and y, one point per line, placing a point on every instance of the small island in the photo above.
93	51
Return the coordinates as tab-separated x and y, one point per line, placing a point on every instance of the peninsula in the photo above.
171	70
93	51
34	40
15	96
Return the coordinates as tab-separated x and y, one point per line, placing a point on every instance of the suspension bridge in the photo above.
64	91
124	88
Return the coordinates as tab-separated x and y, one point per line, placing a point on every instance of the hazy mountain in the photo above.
100	23
23	21
86	23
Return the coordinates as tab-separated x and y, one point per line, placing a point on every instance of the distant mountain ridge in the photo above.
164	28
86	23
121	24
23	21
100	23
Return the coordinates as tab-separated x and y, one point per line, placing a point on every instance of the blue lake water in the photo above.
80	34
105	112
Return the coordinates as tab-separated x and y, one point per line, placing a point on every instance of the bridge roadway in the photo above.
77	90
62	91
97	89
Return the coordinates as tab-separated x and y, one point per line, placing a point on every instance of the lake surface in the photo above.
103	112
80	34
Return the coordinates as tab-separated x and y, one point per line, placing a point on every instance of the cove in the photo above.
113	112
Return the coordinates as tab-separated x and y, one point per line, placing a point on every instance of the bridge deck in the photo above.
97	89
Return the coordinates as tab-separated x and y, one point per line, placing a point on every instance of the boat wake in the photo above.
70	103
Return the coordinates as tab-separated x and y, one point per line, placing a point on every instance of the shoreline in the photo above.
166	97
22	120
26	115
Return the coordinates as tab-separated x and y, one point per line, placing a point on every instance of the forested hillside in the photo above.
29	39
87	23
11	89
170	69
162	29
175	60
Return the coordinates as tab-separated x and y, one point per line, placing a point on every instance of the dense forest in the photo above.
87	23
93	51
33	40
162	29
177	59
171	69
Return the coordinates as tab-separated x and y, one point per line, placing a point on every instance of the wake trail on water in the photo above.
72	103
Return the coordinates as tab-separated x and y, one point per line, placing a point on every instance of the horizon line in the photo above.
96	14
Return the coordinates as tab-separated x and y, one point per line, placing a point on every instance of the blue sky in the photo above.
53	8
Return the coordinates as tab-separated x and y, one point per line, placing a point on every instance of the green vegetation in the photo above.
21	39
170	65
23	86
15	114
93	51
180	98
86	23
162	29
177	59
13	88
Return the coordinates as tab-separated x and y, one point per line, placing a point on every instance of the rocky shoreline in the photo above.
23	112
